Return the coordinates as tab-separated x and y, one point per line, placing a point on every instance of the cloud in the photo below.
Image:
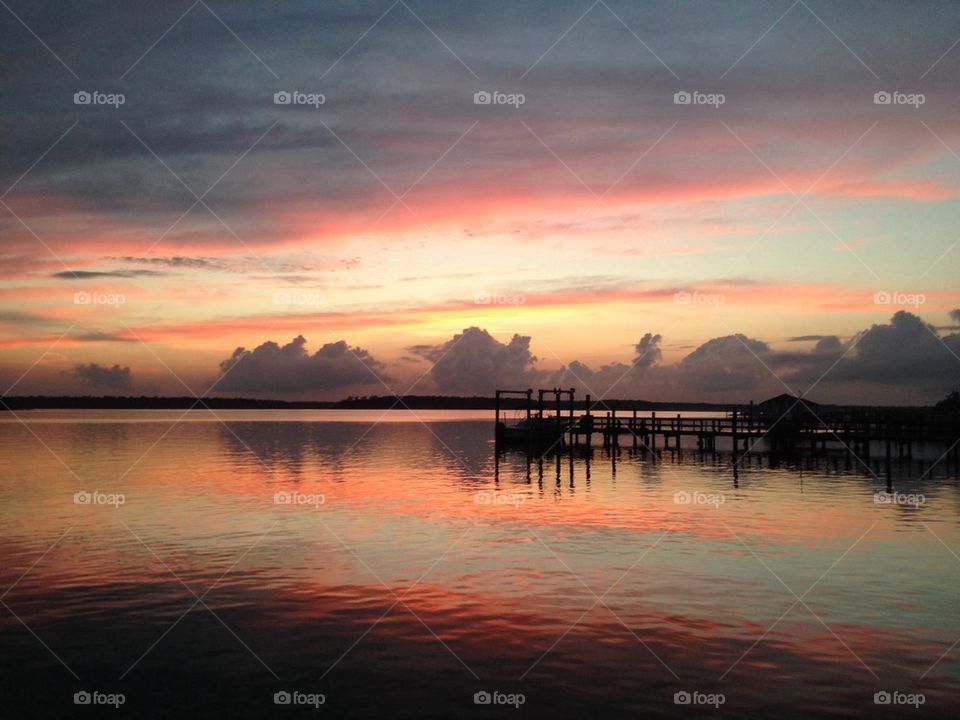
291	370
726	364
906	353
97	336
955	315
177	261
648	351
88	274
476	362
102	377
903	361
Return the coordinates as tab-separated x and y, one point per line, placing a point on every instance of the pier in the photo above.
784	423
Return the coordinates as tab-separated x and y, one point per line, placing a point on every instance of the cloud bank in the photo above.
272	369
903	361
101	377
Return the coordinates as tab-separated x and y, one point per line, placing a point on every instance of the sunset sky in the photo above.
795	232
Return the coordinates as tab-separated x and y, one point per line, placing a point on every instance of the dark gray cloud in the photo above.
907	352
476	362
101	377
97	336
176	261
648	351
91	274
955	315
199	98
900	362
272	369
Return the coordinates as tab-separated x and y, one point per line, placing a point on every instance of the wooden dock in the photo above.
555	419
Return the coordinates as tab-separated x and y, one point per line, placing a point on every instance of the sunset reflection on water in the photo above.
294	551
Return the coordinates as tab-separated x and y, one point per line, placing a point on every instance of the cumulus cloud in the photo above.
726	363
611	380
907	351
291	370
955	315
648	351
101	377
476	362
903	361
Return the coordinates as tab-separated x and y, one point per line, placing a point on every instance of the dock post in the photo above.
589	423
616	424
733	431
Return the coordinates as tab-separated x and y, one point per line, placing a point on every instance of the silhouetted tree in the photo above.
950	402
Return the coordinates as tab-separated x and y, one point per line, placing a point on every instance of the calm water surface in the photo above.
397	567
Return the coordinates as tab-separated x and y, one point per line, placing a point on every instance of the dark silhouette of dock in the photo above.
784	423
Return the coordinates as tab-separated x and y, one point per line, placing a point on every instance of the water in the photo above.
397	568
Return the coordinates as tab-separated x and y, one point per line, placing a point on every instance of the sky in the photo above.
308	200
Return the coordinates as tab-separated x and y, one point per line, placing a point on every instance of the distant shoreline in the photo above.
413	402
